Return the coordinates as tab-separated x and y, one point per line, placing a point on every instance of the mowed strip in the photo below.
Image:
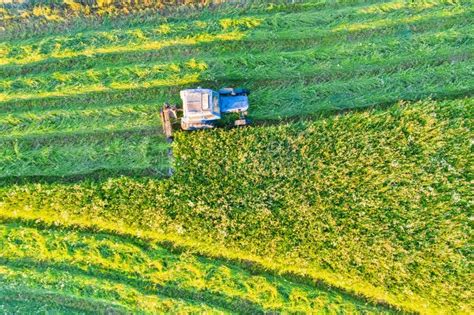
298	38
276	31
201	31
74	153
436	43
108	117
311	85
66	291
224	70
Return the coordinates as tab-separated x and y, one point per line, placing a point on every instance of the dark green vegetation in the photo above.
366	210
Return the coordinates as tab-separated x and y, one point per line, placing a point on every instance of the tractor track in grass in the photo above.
66	155
82	136
64	105
144	283
32	124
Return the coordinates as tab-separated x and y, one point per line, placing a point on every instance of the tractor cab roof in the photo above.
196	100
200	105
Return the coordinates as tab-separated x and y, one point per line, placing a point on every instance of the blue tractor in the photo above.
202	108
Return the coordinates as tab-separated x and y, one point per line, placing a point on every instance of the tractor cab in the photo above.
203	107
200	108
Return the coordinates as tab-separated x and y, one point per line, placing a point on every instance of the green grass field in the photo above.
351	194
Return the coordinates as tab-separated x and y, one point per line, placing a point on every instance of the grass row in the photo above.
308	97
374	201
26	288
276	41
110	261
426	43
90	120
237	29
306	92
17	298
103	42
27	29
60	16
81	153
293	65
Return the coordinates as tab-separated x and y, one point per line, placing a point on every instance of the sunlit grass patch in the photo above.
187	79
385	7
128	41
404	20
119	265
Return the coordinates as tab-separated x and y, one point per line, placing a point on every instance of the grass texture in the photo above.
372	202
299	60
91	272
337	200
